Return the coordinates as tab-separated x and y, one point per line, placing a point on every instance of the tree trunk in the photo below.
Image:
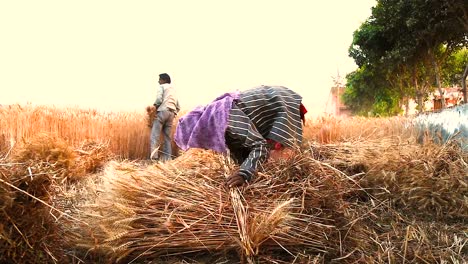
437	77
407	106
463	81
404	102
419	95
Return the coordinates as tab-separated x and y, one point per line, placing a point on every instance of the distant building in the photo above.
452	96
335	105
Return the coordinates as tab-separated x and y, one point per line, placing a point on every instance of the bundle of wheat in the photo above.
183	206
6	194
150	115
43	159
429	180
395	237
28	224
29	182
91	156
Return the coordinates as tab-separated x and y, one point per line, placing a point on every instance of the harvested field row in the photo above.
361	201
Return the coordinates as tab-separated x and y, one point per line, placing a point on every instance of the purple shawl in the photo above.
204	127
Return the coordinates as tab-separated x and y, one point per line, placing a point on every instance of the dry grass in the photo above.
313	208
30	180
183	207
429	180
361	190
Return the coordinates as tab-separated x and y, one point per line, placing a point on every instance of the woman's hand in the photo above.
235	180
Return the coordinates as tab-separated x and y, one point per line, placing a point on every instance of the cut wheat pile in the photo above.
335	202
183	207
31	180
357	201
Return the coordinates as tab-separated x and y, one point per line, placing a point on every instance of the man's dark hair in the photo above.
165	77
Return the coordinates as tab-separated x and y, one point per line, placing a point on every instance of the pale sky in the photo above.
107	54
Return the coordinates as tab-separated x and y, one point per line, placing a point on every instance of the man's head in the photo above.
164	78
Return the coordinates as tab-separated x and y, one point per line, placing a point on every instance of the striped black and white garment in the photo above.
261	113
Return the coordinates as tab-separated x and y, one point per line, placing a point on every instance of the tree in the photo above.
453	67
376	46
438	31
366	92
463	19
456	70
408	42
463	81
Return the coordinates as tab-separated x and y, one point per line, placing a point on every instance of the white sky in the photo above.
108	54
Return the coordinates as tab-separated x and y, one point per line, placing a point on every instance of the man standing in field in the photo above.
166	107
253	125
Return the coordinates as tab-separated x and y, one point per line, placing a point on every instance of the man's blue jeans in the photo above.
162	123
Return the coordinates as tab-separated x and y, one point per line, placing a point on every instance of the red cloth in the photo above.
303	111
275	145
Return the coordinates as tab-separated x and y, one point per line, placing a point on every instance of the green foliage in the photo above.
369	44
366	93
357	95
402	49
386	104
454	67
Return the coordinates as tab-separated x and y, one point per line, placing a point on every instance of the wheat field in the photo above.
128	132
76	187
